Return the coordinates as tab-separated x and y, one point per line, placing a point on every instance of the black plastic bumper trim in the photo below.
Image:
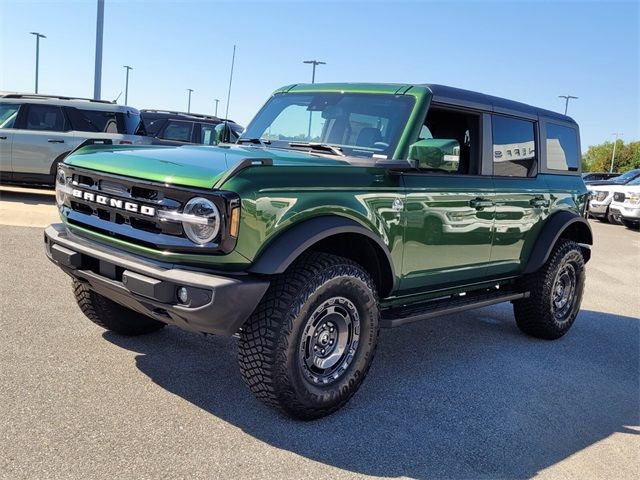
222	304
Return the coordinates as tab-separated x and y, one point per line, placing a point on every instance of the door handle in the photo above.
539	202
480	203
53	140
3	138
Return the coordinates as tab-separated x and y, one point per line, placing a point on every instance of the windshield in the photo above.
634	182
360	125
626	177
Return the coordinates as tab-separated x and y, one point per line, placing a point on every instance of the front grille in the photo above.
618	196
126	209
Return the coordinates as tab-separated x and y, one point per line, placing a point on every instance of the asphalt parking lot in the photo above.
464	396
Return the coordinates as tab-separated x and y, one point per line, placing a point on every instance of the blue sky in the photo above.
526	51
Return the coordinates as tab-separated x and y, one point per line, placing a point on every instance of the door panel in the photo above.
34	151
6	138
448	229
521	206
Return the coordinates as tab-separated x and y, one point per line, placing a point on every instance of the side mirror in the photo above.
436	153
223	133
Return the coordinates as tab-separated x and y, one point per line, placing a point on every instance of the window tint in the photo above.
8	114
127	123
45	117
562	148
207	134
514	151
178	131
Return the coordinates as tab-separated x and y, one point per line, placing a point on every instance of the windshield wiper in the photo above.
254	141
325	147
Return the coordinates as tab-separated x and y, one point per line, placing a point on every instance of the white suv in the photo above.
38	131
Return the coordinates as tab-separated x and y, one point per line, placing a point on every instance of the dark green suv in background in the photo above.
342	208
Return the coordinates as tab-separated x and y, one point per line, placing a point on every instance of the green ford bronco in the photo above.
341	209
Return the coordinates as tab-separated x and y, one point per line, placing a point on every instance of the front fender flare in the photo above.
290	244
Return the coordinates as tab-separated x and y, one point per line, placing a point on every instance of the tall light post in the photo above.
566	101
217	100
97	76
126	85
189	103
613	154
315	63
38	37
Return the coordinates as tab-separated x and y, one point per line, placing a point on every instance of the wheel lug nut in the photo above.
323	350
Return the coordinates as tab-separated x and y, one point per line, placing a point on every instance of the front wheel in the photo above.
555	293
111	315
309	344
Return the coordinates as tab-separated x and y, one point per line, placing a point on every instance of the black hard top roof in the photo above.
458	96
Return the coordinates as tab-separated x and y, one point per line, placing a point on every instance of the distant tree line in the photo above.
598	157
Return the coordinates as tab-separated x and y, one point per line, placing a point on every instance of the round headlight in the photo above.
204	224
61	183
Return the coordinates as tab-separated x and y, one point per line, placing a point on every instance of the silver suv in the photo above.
38	131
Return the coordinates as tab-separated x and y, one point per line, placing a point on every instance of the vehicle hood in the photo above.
608	187
189	165
601	182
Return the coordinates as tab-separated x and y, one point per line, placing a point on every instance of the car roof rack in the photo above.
56	97
184	114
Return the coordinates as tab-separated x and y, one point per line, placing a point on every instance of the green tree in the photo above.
598	157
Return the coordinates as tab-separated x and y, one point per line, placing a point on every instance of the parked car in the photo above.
315	230
600	198
625	206
180	128
621	179
601	195
38	131
596	176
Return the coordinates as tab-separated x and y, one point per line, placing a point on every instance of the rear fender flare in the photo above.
562	224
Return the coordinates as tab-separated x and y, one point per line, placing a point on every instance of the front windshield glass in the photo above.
634	182
360	125
625	177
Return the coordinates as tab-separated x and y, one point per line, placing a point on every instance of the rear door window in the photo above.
562	148
514	147
46	117
8	114
178	131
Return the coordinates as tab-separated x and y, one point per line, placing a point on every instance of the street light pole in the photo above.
566	101
189	104
126	85
613	154
97	77
217	100
38	37
315	63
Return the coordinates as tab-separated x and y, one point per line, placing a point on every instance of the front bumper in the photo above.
598	209
217	304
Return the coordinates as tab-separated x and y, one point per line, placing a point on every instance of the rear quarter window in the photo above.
562	148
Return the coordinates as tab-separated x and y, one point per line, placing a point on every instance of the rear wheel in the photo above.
111	315
309	344
555	293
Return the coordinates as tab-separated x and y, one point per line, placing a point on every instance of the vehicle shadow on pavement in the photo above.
464	396
32	197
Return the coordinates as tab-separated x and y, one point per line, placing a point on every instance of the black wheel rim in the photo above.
329	341
564	292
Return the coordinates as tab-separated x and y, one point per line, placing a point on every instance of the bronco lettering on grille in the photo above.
114	202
